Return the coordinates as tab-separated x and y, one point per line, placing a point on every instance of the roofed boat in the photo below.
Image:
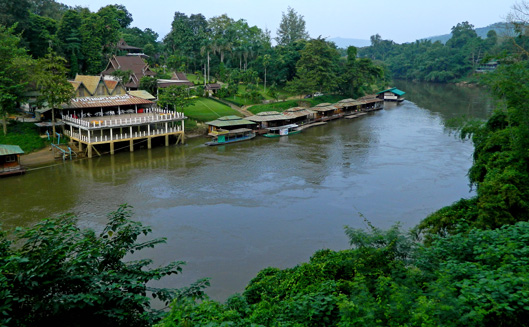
236	135
284	130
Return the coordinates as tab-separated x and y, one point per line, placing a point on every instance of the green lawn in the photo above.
284	105
206	110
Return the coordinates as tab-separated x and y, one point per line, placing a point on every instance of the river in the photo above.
233	210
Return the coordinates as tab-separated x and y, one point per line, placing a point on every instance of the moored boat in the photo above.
284	130
236	135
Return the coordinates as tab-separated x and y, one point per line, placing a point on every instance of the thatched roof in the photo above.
297	112
324	107
267	116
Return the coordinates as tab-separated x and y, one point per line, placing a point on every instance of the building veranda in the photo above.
98	124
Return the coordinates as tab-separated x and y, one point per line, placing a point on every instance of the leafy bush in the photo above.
24	135
55	274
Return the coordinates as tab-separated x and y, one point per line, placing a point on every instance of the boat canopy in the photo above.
282	127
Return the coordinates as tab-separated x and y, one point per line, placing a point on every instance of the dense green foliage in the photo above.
24	135
58	274
464	265
218	48
429	61
387	279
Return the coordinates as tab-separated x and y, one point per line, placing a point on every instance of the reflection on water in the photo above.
230	211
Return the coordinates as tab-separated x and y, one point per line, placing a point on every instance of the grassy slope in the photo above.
207	110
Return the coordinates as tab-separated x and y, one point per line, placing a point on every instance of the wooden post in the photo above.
89	151
149	143
131	145
112	148
166	140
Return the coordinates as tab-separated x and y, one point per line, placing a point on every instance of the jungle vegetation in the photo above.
464	265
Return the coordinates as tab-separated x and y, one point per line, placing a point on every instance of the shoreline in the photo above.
45	155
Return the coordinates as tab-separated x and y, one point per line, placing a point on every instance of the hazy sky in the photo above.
400	21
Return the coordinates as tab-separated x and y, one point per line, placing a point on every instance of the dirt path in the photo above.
37	158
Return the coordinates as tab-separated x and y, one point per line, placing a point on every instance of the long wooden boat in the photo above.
236	135
284	130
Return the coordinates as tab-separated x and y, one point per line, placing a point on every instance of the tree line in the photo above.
457	59
218	48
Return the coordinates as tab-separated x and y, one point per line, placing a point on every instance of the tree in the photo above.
58	274
52	83
14	77
358	74
123	76
176	96
266	61
317	67
291	28
149	83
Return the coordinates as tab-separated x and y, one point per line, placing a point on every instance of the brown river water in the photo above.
233	210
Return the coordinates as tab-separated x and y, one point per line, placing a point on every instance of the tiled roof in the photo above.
111	85
108	101
135	63
90	82
179	76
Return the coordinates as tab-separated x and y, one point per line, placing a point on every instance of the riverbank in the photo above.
45	155
37	158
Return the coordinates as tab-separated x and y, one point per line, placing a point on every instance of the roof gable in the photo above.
90	82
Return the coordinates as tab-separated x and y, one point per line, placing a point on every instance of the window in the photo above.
11	158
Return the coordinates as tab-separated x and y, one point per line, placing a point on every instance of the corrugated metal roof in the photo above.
108	101
142	94
393	90
230	121
6	150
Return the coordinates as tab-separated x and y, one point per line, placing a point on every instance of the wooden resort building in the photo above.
99	121
349	106
10	160
299	115
178	79
326	111
135	64
268	119
371	103
130	50
392	94
228	123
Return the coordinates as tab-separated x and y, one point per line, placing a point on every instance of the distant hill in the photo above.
344	43
500	28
